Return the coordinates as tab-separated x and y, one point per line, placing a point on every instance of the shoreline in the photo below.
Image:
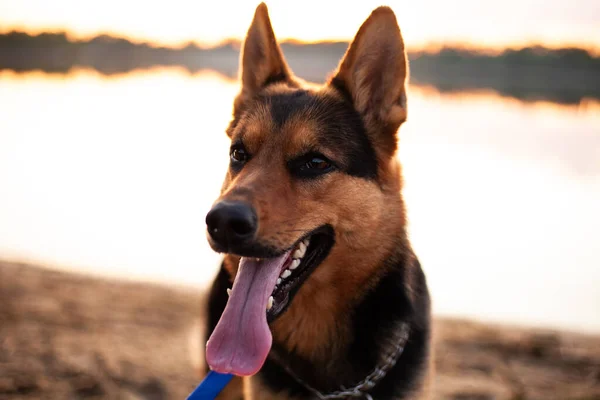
564	75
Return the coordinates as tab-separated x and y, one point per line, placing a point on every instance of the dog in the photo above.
319	294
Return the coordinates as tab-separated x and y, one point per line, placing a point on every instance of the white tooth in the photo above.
300	251
303	246
306	242
295	264
270	303
286	273
278	281
228	292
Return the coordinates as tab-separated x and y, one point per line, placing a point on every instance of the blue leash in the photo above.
210	386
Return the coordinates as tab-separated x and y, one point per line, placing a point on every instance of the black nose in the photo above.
231	223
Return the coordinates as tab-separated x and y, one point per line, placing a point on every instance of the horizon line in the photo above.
593	49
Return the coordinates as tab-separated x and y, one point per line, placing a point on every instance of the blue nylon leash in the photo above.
212	384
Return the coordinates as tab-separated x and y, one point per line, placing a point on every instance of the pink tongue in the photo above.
241	340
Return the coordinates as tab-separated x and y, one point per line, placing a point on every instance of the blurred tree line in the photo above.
565	75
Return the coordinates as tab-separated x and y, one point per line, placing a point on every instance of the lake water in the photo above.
114	175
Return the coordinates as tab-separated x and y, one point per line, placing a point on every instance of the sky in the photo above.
481	23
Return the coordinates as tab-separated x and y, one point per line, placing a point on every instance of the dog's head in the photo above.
312	175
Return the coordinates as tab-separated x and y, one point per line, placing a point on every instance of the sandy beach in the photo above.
70	336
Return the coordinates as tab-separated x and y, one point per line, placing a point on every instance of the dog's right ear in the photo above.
262	61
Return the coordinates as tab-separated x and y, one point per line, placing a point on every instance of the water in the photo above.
113	176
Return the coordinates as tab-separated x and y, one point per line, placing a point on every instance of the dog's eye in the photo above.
316	164
238	155
311	166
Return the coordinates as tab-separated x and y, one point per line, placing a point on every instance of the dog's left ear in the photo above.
262	62
373	74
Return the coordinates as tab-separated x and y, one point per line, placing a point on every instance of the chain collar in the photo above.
361	389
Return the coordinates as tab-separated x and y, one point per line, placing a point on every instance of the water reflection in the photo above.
113	175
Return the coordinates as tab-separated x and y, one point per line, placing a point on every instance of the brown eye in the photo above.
311	165
238	155
317	164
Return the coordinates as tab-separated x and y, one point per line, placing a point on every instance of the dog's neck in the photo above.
393	301
361	389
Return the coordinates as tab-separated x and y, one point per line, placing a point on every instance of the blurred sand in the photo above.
67	336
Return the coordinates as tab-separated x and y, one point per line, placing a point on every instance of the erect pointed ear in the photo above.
262	61
373	74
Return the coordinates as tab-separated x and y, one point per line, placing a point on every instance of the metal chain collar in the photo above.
361	389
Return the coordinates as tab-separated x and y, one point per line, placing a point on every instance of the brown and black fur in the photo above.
343	315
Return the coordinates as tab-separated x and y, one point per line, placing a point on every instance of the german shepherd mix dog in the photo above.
319	295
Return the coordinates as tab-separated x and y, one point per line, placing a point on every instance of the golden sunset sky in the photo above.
481	23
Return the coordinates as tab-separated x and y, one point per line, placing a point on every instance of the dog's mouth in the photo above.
302	259
262	291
